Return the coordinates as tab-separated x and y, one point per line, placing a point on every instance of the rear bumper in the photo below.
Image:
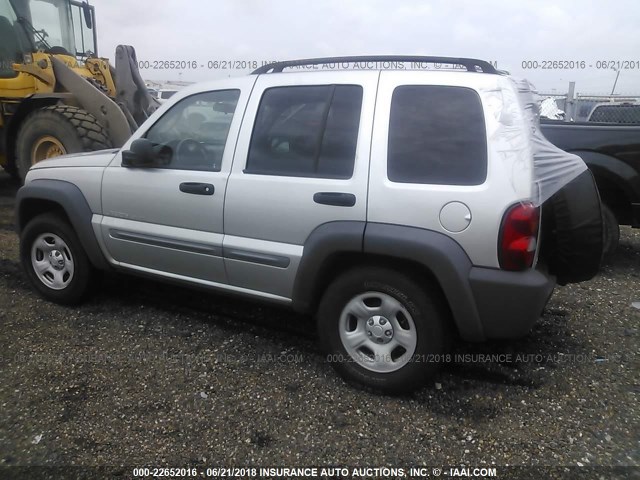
509	303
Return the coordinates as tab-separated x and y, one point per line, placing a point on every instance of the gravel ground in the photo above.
148	374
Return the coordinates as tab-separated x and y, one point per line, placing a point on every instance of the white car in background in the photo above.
162	94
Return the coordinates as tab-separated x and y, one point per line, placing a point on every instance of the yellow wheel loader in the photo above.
56	95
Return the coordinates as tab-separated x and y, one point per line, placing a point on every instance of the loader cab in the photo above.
64	27
84	28
13	41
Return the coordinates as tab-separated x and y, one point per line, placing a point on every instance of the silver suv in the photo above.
400	205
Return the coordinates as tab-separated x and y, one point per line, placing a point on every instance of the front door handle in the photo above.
196	188
336	199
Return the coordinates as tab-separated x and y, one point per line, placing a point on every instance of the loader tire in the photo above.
12	171
57	130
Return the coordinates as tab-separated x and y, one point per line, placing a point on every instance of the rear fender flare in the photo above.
433	251
443	257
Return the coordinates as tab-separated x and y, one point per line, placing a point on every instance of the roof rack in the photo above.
471	64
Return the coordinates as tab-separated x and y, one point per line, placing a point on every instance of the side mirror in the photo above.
141	154
86	10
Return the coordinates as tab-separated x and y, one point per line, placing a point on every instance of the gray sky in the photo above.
508	33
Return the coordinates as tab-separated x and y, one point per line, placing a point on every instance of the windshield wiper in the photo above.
29	28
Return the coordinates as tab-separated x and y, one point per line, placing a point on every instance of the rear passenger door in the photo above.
301	161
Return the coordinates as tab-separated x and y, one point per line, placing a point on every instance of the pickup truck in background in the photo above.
627	113
612	153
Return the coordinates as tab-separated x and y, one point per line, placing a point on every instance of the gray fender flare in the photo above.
326	241
72	201
434	251
441	255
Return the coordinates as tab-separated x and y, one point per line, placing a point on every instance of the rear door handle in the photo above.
196	188
336	199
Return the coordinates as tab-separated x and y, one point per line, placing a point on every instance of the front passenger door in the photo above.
167	218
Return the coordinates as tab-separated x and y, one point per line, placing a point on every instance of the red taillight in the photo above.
518	237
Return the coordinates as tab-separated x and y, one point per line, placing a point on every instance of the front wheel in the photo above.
54	260
380	329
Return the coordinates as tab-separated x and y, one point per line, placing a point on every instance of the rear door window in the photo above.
436	136
306	131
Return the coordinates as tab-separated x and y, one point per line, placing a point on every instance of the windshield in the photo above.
13	43
6	11
51	20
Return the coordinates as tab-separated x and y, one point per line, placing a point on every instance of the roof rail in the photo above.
471	64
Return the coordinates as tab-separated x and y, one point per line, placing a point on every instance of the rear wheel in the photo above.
57	130
381	330
54	260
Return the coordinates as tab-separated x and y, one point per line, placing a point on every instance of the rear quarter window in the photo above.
437	135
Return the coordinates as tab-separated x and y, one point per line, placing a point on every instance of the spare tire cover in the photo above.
573	231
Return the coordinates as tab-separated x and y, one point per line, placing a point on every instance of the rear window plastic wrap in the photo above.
553	168
513	114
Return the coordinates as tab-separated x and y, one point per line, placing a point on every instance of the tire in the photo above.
385	301
611	233
57	130
573	231
12	171
67	275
